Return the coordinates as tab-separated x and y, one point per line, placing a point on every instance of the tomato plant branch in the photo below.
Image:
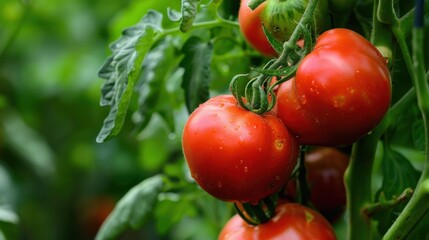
383	204
303	195
419	203
358	180
257	91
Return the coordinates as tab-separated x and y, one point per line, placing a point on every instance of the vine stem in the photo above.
358	176
418	206
287	46
218	22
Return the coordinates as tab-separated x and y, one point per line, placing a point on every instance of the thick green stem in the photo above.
419	203
358	184
381	36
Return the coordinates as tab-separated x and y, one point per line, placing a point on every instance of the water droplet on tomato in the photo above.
303	99
277	177
241	161
219	184
220	148
246	169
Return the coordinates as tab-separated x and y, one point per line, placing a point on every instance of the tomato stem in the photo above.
418	205
255	214
302	185
258	94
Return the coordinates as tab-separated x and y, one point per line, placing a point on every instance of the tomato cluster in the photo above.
340	92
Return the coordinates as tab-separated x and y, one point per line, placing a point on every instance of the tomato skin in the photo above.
325	174
251	28
292	221
237	155
344	88
325	167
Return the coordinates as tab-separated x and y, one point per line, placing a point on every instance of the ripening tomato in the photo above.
281	17
235	154
325	167
341	91
251	28
291	222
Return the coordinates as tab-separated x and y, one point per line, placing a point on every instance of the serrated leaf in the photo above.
418	134
133	209
122	70
197	60
398	174
157	68
189	10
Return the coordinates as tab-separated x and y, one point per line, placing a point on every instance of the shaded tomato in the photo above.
251	28
95	212
292	221
325	167
235	154
341	90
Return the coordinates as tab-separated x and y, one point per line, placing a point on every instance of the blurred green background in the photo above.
56	182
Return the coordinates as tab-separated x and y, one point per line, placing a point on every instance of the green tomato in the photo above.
280	17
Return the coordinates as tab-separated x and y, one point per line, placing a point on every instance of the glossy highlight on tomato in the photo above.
235	154
292	221
252	30
340	92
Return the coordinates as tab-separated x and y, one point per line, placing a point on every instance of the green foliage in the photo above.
175	55
196	63
133	209
122	70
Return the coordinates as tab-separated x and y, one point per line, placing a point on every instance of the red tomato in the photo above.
95	213
251	28
291	222
341	90
235	154
325	178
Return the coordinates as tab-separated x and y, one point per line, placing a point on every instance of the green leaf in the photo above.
189	10
170	203
197	60
7	215
28	143
122	70
173	15
398	174
253	4
133	209
158	66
